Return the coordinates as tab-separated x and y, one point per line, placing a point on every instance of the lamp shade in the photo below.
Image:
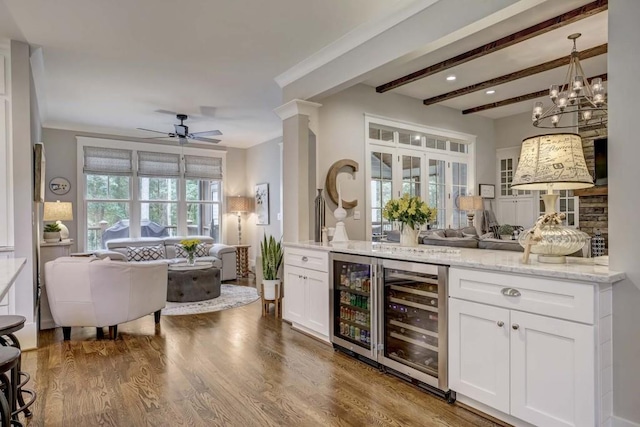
58	211
471	203
553	161
239	204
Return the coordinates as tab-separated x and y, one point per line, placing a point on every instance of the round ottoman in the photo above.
193	285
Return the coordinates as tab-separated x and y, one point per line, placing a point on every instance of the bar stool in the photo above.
9	359
8	325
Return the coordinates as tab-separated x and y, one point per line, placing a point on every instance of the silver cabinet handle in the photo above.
500	323
510	292
515	326
305	259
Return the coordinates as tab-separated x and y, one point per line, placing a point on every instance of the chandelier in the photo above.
577	97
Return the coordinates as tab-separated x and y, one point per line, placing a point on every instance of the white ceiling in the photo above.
108	65
546	47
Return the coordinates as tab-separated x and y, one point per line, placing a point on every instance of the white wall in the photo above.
624	201
510	131
263	165
342	136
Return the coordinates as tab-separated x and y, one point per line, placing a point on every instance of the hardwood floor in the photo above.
230	368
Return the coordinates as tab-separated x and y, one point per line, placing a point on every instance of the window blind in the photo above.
107	161
197	167
158	164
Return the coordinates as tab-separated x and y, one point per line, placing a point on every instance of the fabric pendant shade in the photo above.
239	204
554	161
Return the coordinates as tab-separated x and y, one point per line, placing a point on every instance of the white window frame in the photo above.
373	145
135	202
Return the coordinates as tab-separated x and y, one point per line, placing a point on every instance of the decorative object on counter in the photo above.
577	98
552	162
340	214
239	205
271	287
411	213
597	244
39	172
325	236
320	216
59	185
487	191
331	183
262	204
506	231
51	233
190	246
471	204
59	211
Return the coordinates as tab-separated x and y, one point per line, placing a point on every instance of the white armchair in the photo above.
98	293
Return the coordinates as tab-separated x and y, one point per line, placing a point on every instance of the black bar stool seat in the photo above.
9	359
8	325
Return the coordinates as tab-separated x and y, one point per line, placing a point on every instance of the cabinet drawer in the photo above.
548	297
306	258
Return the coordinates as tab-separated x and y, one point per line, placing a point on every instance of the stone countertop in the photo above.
9	270
580	269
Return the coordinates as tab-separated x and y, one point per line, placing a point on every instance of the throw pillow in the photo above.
145	253
450	232
201	250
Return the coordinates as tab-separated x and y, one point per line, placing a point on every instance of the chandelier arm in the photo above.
586	87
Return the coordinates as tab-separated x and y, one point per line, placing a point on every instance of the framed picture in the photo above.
262	204
59	185
488	191
39	172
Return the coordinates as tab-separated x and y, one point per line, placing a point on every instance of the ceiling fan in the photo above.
183	135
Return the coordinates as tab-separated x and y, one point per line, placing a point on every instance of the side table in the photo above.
242	263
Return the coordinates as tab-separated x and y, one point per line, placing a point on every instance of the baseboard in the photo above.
28	336
621	422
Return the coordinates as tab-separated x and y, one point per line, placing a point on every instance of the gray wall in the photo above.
342	136
60	147
624	201
510	131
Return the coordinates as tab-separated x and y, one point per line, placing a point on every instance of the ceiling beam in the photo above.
510	40
550	65
521	98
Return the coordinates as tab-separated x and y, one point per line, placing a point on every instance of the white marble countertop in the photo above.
580	269
9	270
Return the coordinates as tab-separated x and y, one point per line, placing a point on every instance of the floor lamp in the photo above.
239	205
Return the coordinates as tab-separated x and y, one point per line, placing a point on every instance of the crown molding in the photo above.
349	41
296	107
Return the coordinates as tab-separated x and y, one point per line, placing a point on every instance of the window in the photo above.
141	193
407	159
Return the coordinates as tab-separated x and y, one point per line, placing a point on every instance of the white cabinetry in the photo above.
533	349
306	291
6	169
515	207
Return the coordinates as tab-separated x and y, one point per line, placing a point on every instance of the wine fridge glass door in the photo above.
352	291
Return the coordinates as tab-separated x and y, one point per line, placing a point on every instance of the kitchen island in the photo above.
527	343
9	270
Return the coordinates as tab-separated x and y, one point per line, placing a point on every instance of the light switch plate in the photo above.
356	214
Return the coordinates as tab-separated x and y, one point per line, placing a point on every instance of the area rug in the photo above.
231	296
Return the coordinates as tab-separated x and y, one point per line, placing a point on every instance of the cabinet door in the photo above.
506	211
552	371
479	352
294	300
317	301
525	212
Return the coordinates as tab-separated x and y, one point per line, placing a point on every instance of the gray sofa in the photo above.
222	256
466	237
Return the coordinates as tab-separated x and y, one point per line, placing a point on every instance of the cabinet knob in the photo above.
510	292
305	259
515	326
500	323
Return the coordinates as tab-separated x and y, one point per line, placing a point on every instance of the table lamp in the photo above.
552	162
59	211
471	204
239	205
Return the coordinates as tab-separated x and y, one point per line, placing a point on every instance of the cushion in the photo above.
145	253
450	232
201	250
456	242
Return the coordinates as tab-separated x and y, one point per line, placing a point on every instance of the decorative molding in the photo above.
3	83
350	41
39	81
297	107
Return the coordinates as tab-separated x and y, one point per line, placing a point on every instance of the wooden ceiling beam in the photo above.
510	40
550	65
521	98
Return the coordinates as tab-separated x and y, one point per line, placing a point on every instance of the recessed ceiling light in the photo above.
451	78
490	92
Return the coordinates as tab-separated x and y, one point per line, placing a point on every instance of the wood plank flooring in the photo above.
230	368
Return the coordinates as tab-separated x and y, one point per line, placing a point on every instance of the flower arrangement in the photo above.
190	246
408	210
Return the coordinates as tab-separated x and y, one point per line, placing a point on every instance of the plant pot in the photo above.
269	289
409	236
505	237
51	236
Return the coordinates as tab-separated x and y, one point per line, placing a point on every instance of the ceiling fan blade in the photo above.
212	141
151	130
173	113
206	133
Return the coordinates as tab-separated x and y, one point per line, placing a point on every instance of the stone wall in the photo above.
594	209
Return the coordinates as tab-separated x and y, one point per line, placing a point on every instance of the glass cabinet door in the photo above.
352	302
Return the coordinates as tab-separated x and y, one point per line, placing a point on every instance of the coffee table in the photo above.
193	283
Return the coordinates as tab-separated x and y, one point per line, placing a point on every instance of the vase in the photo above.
409	236
191	258
320	215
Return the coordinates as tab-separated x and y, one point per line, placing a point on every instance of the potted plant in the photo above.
190	246
51	233
506	231
272	254
411	213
